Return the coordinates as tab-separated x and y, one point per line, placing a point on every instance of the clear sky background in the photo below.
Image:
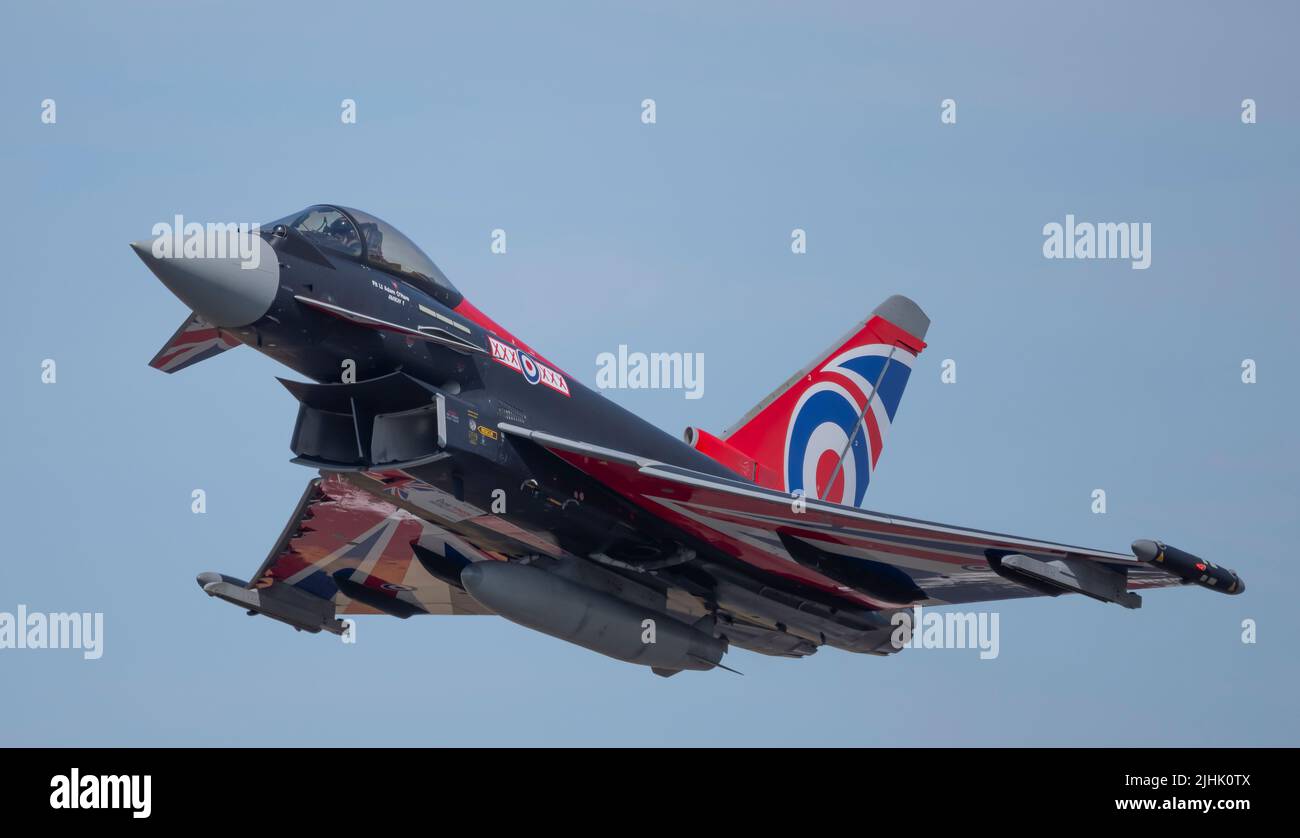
1072	376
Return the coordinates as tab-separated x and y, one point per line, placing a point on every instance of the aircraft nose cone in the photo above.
1145	549
225	291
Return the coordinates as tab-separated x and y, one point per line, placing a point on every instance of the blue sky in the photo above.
1072	376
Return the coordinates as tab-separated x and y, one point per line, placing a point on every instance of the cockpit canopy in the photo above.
365	238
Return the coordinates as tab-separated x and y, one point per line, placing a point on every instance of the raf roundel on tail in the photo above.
836	432
823	431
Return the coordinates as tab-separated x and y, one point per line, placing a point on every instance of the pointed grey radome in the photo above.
222	291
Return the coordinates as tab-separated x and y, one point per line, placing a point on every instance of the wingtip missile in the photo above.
1191	569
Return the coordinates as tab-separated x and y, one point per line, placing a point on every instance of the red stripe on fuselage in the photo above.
471	312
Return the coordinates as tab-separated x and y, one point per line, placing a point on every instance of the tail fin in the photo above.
823	430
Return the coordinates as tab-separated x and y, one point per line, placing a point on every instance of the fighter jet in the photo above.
461	471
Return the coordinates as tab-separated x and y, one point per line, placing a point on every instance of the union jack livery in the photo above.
449	483
196	340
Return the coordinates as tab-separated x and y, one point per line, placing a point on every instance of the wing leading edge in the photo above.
878	560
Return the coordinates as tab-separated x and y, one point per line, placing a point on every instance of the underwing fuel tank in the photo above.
1189	568
594	620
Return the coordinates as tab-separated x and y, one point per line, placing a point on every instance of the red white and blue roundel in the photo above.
837	428
530	368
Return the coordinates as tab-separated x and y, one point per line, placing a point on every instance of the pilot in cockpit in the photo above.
342	231
374	237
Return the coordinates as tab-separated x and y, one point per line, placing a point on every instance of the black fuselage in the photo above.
486	468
